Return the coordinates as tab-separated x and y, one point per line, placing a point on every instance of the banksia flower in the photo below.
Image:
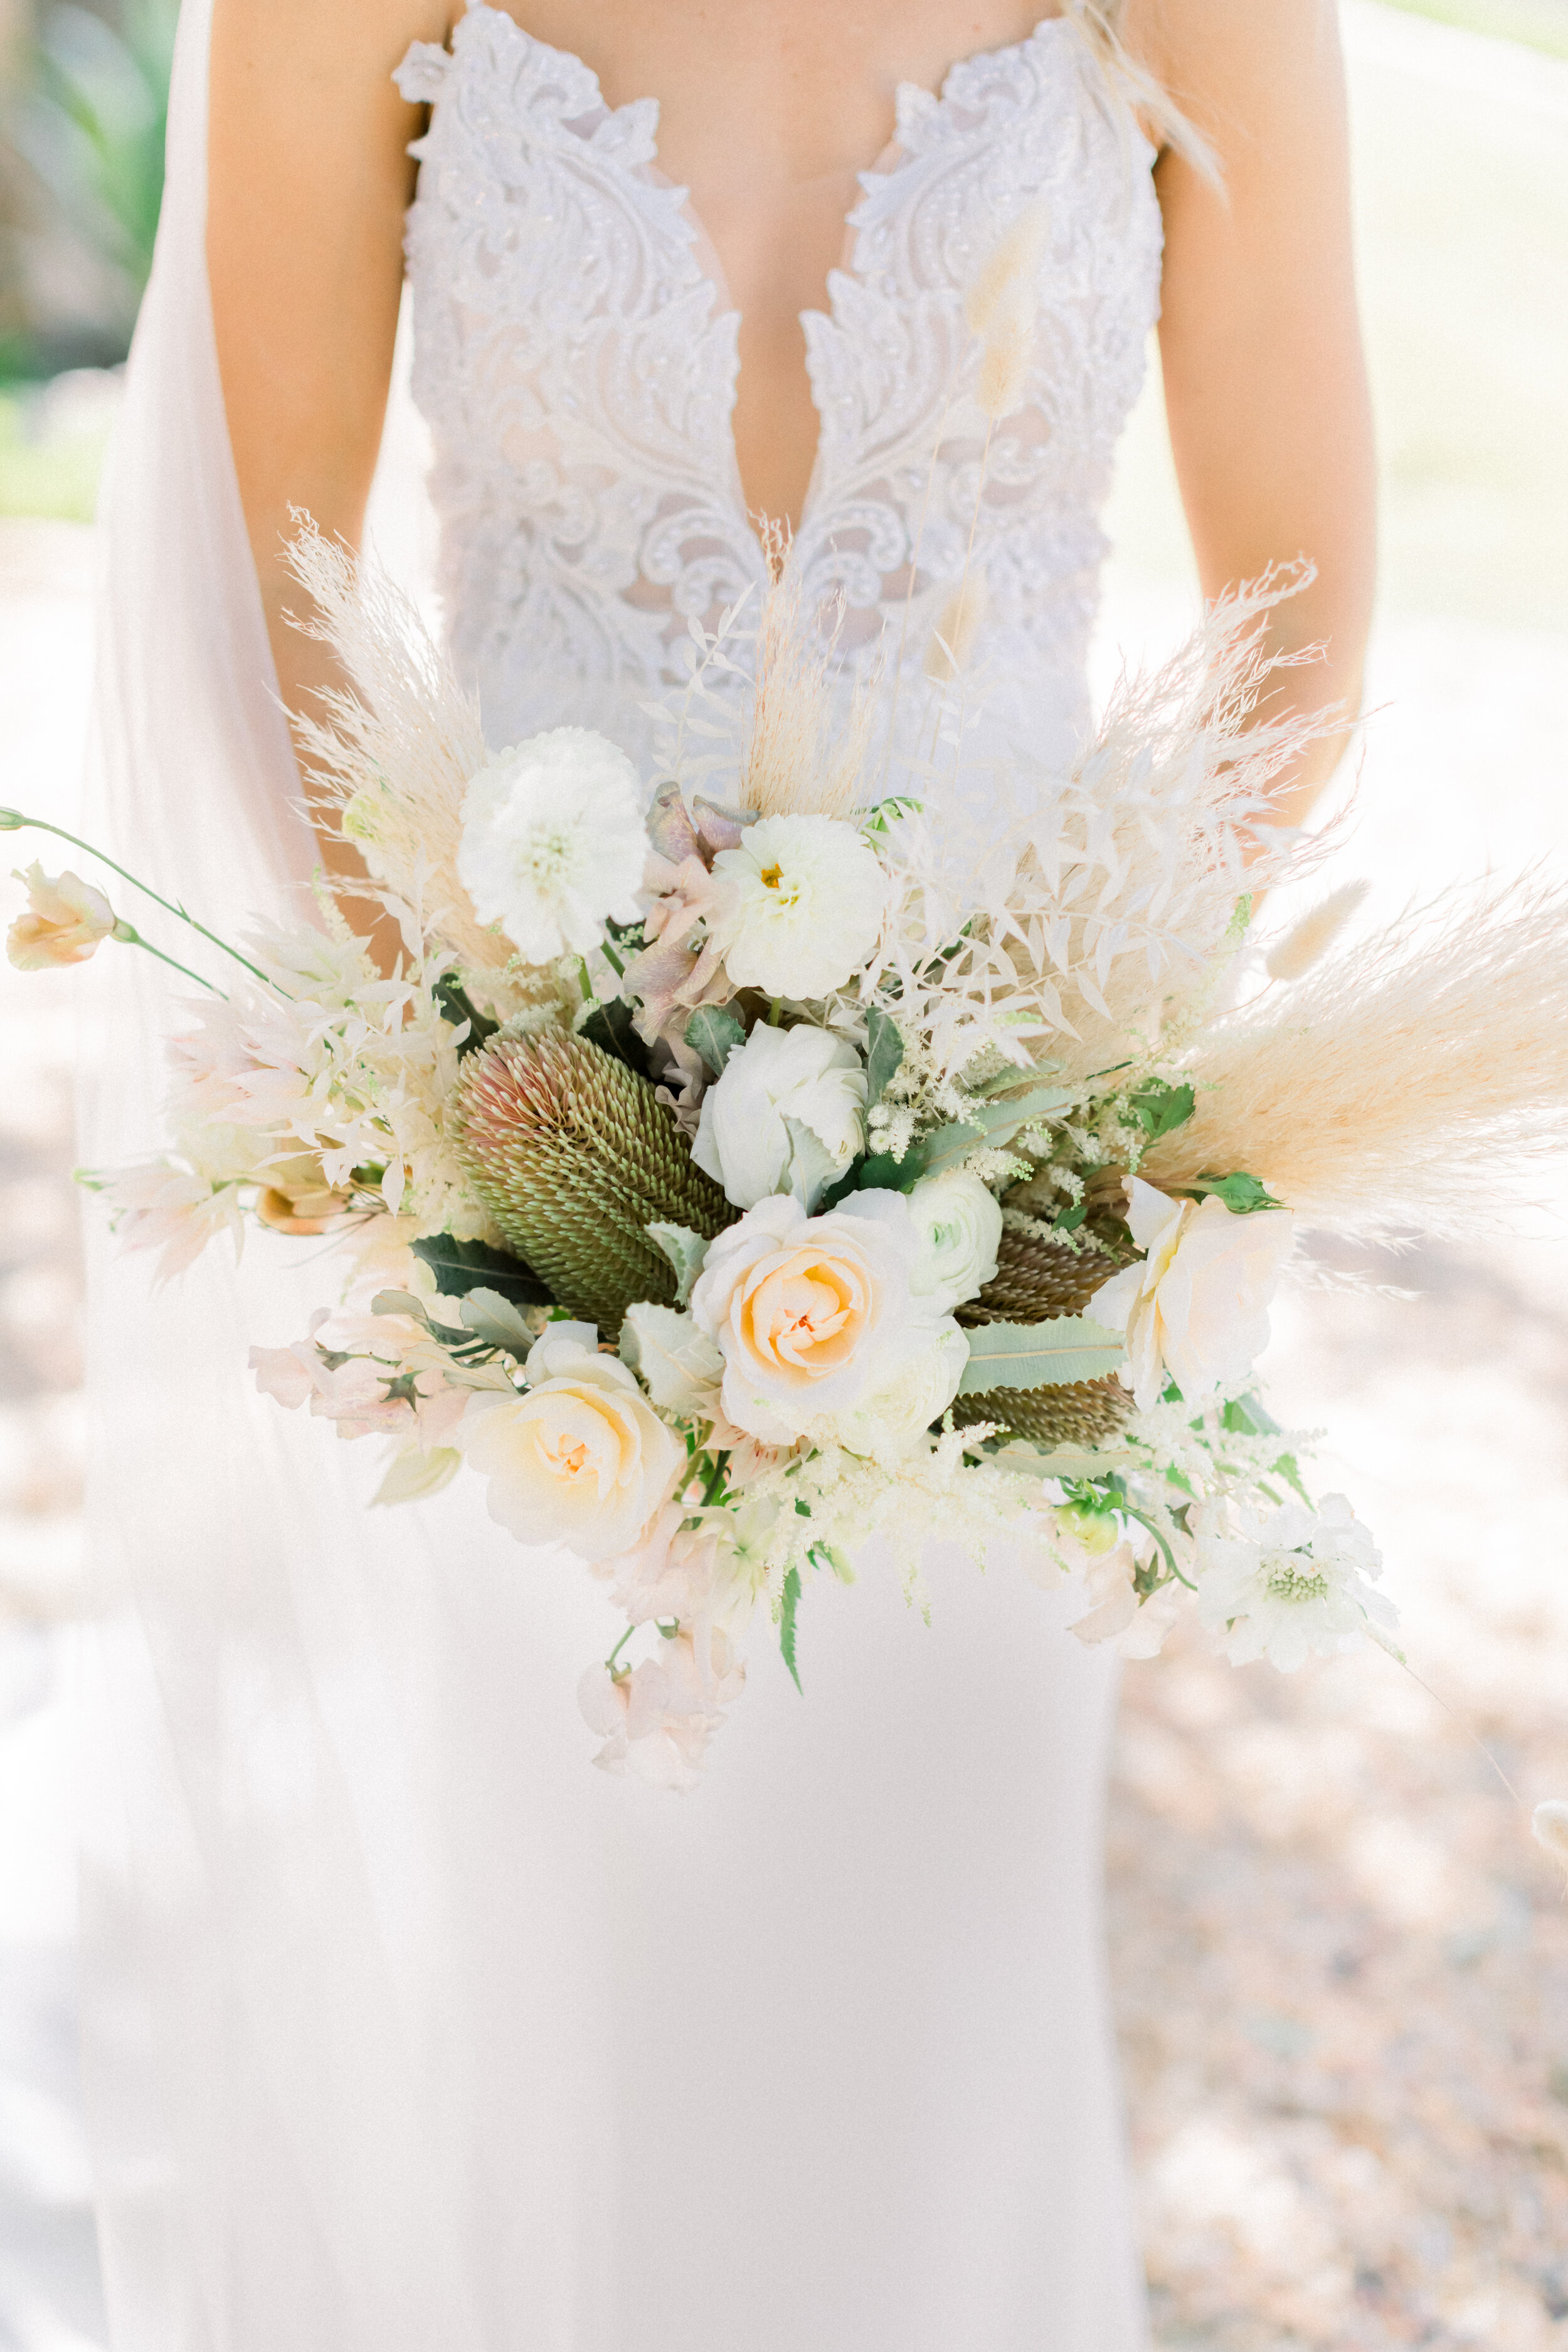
1037	1280
574	1156
1075	1412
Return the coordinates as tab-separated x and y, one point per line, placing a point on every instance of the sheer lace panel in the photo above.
577	365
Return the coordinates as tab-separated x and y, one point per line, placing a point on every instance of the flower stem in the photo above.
620	1646
128	936
775	1011
13	821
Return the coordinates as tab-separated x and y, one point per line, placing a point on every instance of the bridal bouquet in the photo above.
762	1184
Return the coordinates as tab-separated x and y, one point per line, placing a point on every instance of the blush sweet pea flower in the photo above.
582	1459
656	1721
1196	1305
67	921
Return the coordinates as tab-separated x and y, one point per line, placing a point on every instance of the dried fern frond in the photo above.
574	1157
392	756
1409	1081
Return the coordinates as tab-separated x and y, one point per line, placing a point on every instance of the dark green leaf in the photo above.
456	1007
884	1052
461	1267
1160	1109
610	1027
786	1623
714	1032
1240	1193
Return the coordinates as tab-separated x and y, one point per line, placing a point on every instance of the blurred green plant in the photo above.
1537	23
93	125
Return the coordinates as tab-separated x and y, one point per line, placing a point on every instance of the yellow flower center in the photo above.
770	876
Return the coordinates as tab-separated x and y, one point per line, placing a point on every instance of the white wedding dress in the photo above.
406	2030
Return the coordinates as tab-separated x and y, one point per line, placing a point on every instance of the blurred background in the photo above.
1341	1967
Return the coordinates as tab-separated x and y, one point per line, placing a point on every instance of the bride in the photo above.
404	2032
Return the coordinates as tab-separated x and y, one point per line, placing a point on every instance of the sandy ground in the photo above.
1341	1967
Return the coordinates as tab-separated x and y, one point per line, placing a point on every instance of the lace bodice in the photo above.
576	360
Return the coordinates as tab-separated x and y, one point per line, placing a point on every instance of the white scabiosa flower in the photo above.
786	1116
803	903
960	1228
553	841
1291	1584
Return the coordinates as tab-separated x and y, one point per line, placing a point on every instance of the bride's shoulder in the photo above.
339	29
1210	55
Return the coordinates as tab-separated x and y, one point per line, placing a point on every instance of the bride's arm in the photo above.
1265	386
307	179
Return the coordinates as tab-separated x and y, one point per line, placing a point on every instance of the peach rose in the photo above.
813	1316
581	1459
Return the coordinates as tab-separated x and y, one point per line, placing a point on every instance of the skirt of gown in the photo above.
408	2029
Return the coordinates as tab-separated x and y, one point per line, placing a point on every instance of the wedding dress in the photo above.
405	2030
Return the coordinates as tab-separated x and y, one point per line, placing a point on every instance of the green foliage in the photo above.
714	1032
1069	1348
884	1053
685	1250
1240	1193
94	125
460	1267
612	1026
1159	1109
457	1007
787	1607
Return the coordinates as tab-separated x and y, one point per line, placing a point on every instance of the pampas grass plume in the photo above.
1011	266
1302	945
952	640
1549	1824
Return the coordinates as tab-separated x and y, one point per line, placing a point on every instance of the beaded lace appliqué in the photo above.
577	366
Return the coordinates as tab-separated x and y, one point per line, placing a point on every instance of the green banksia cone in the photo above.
1037	1280
1078	1412
574	1156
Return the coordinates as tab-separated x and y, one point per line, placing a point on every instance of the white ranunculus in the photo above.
788	1115
960	1228
553	841
803	903
1196	1305
813	1316
581	1459
914	1391
1290	1584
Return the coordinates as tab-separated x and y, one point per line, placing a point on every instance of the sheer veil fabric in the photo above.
404	2029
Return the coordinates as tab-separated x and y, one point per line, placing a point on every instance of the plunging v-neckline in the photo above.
710	268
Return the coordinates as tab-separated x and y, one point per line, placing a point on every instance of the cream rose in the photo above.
960	1228
582	1459
813	1316
1196	1305
786	1116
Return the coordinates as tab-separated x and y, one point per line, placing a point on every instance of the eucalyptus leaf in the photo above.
461	1267
884	1053
1039	1355
414	1475
990	1124
400	1302
686	1252
714	1032
496	1321
1061	1461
